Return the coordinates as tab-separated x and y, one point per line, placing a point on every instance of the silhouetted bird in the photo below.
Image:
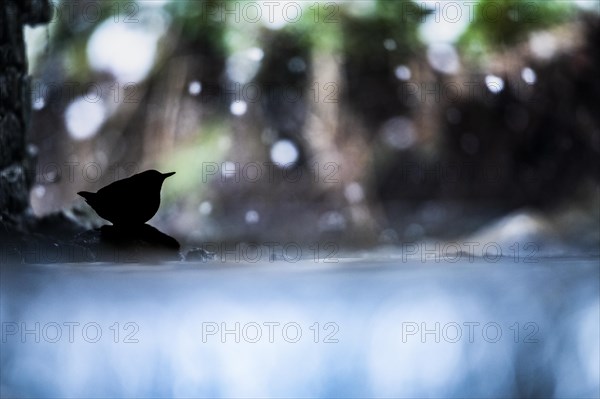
131	201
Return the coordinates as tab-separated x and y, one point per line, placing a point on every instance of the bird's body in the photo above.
128	202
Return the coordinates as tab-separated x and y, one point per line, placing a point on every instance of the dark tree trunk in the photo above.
16	161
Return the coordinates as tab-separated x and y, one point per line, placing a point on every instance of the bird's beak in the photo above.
165	175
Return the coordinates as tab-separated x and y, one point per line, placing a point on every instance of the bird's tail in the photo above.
87	195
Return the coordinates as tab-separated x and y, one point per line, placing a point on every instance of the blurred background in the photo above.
371	122
339	126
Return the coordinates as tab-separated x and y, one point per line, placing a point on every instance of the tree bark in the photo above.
16	161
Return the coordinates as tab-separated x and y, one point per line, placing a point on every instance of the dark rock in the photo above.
35	12
144	235
129	245
61	238
62	224
14	193
33	248
15	106
12	143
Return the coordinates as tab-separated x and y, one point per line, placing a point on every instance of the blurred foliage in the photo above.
205	148
372	52
392	20
504	23
198	22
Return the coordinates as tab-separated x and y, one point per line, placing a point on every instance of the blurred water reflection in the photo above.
379	327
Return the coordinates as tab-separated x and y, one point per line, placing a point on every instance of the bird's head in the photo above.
154	177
